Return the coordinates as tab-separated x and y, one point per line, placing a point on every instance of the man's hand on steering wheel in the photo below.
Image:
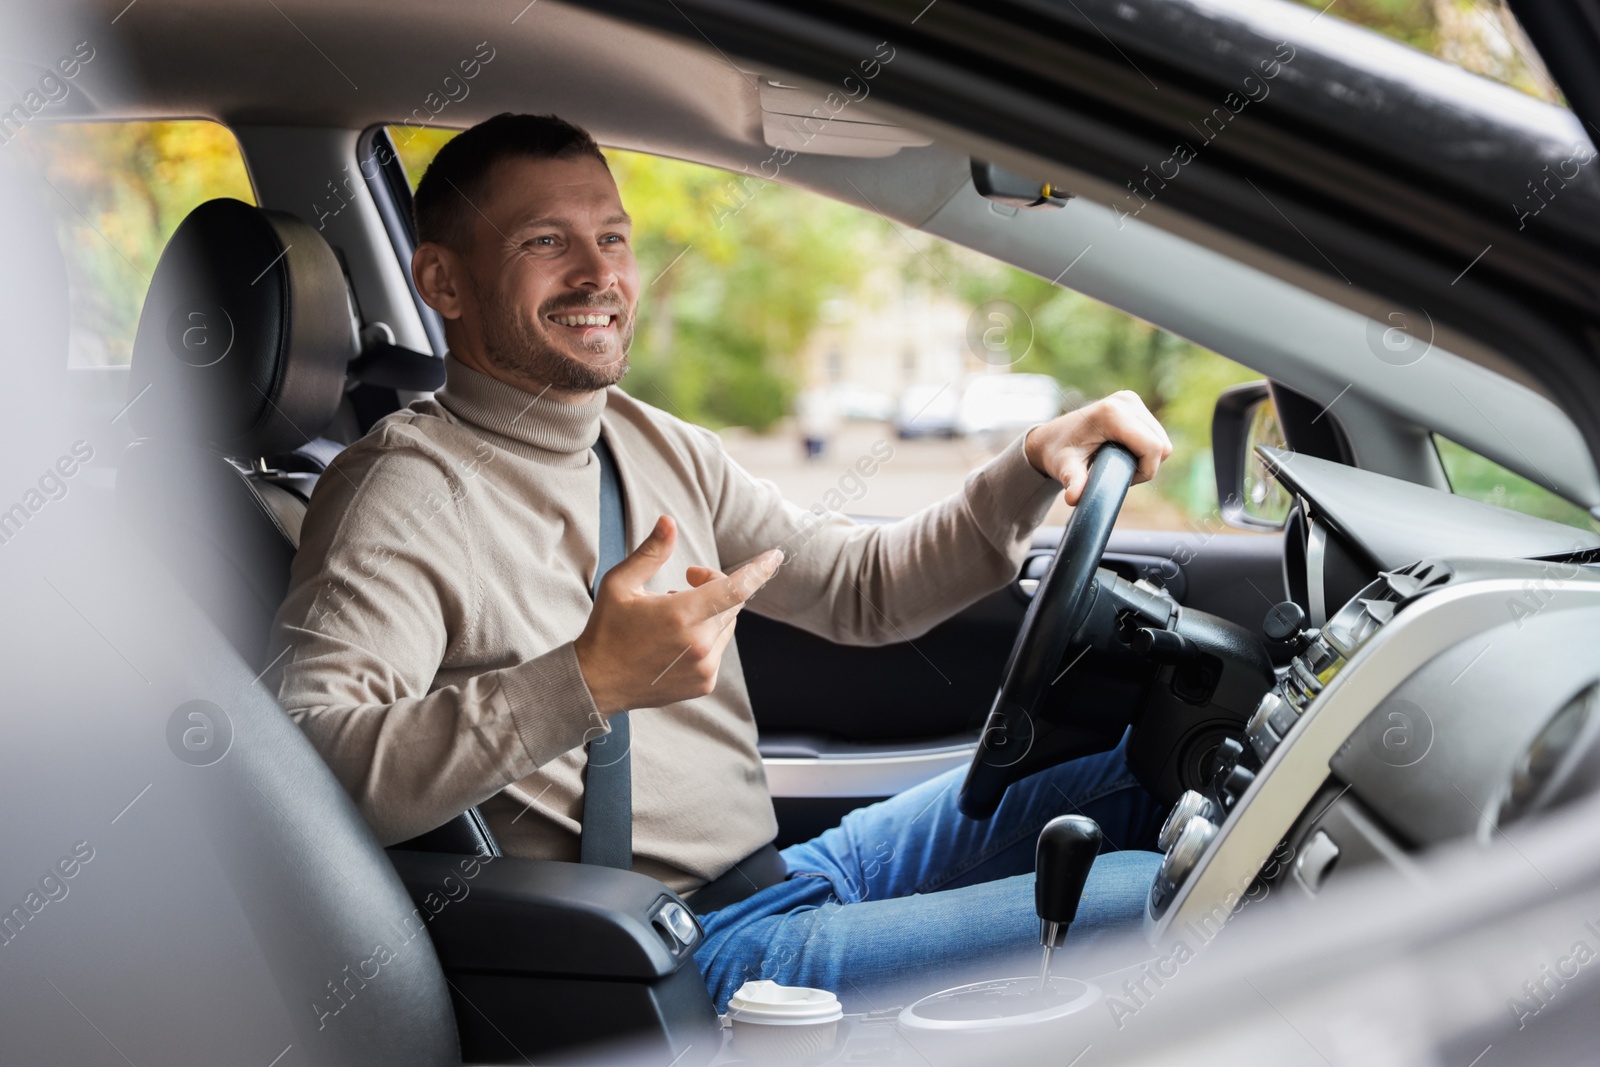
1095	453
1063	447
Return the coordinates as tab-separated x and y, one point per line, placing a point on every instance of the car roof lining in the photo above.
680	99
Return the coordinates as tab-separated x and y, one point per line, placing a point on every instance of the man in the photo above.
445	650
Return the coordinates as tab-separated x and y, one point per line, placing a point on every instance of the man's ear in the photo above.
436	270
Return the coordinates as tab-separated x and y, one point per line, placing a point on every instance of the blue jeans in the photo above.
909	896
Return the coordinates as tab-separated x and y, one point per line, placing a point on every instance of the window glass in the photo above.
416	146
117	191
811	334
1480	478
1477	35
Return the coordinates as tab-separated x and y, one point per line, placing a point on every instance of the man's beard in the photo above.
514	344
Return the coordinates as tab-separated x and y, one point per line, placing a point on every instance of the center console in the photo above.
1219	838
1196	819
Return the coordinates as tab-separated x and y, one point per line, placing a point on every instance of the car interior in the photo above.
1289	681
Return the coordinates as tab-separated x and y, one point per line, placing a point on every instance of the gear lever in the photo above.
1067	847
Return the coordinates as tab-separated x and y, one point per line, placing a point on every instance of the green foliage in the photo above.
117	191
1478	35
416	146
1411	21
1480	478
1092	349
734	273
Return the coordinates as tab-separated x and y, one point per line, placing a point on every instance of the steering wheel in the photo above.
1009	748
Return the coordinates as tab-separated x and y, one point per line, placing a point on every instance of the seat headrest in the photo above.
245	335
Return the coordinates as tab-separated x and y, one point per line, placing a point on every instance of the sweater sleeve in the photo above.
878	583
383	585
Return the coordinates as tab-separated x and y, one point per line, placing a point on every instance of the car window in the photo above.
1480	478
821	341
117	190
1477	35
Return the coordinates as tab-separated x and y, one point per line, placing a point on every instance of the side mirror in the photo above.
1250	494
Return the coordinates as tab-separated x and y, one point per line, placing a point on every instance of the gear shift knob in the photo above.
1067	847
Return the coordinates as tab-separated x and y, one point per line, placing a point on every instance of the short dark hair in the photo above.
458	176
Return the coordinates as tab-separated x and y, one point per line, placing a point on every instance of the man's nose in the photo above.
591	269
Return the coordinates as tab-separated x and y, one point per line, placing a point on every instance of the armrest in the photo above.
467	834
508	915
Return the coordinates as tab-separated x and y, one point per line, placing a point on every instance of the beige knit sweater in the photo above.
444	571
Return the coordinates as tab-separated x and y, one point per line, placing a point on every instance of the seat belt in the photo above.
607	833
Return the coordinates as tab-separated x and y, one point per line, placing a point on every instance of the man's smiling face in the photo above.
545	294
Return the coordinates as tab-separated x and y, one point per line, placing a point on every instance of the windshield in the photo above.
1482	479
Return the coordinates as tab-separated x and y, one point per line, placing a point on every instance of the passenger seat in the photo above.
247	340
241	353
245	345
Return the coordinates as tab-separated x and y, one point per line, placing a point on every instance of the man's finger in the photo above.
1149	452
1148	418
1074	474
640	565
1134	410
698	576
724	635
719	595
1131	432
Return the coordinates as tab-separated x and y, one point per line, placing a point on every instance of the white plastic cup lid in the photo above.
769	1004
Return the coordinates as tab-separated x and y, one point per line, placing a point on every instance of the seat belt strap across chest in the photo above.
607	834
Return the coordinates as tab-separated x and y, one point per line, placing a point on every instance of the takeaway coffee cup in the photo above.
774	1023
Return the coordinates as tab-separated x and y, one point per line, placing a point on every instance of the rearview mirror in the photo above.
1250	495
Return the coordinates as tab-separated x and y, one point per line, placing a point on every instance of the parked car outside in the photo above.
998	404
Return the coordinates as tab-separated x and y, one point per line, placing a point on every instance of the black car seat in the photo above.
241	353
246	342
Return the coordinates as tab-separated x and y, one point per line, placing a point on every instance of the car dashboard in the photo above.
1445	699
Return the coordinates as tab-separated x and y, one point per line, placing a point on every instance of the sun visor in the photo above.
831	124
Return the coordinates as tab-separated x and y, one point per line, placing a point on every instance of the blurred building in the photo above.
893	333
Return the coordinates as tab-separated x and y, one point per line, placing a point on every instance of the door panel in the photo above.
937	685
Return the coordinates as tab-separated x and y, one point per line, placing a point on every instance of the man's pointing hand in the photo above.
645	650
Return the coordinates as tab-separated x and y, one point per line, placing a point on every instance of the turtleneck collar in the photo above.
528	419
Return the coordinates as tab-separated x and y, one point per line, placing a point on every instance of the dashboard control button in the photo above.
1308	680
1234	786
1264	740
1283	621
1320	655
1282	718
1188	806
1263	710
1226	757
1186	851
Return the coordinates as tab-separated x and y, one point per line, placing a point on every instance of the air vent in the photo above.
1417	579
